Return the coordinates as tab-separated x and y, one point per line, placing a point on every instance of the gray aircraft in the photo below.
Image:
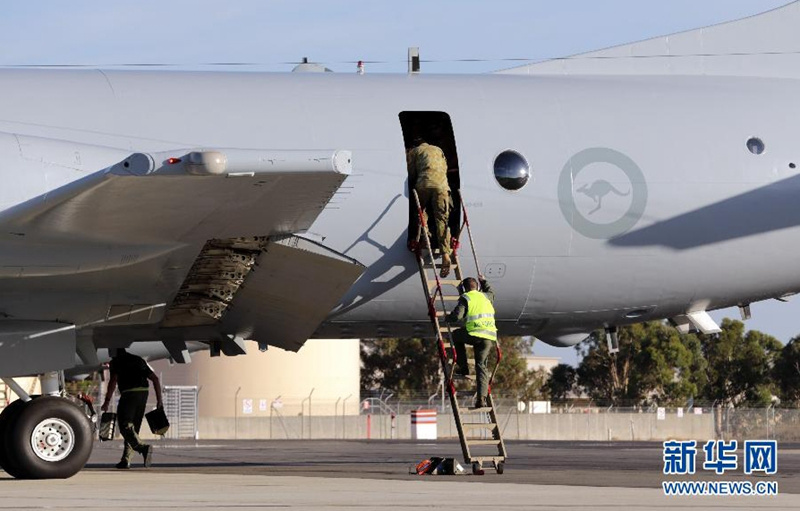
184	209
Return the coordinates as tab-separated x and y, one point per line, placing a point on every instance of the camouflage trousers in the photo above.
436	202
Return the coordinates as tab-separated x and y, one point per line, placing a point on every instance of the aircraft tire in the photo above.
50	438
9	413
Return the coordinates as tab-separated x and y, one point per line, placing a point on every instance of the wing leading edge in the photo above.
188	196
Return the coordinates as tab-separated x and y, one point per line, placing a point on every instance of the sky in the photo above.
272	35
338	33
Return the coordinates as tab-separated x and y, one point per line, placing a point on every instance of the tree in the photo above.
405	366
513	378
655	364
561	382
409	367
740	365
787	372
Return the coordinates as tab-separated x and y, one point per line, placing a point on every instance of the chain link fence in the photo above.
782	424
769	423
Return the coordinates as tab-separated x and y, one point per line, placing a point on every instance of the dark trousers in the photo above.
482	349
130	412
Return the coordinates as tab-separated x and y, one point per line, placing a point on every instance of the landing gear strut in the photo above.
45	437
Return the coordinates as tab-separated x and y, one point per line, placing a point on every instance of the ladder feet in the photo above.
477	470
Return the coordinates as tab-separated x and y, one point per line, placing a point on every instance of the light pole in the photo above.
335	415
236	414
309	412
344	415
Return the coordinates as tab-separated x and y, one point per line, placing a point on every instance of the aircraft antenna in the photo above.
413	60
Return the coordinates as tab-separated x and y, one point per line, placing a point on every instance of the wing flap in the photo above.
295	285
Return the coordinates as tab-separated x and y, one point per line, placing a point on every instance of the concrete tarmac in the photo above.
374	475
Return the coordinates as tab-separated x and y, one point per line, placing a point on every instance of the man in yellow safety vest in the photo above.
475	314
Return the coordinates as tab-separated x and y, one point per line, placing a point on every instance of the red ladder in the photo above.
437	302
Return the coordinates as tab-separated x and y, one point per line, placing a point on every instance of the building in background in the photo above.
31	385
321	379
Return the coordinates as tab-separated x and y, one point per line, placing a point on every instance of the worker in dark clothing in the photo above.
474	313
427	174
131	374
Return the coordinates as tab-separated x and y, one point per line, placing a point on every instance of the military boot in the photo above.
445	265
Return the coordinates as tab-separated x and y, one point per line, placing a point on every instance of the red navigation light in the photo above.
173	161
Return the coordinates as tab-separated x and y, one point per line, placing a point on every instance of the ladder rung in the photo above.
478	425
428	266
482	442
432	285
485	409
451	298
487	458
445	282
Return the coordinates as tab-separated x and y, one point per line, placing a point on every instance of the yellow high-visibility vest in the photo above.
480	316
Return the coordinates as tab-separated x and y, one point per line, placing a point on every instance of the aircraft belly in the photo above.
571	286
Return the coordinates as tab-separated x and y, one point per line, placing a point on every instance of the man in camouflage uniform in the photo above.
427	174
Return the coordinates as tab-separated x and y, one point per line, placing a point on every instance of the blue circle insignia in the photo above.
599	189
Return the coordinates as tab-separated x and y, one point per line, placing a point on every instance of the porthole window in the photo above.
755	145
511	170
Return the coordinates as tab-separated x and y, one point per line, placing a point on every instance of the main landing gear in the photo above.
45	437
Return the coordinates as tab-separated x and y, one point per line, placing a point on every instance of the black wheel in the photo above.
476	469
50	438
9	413
500	467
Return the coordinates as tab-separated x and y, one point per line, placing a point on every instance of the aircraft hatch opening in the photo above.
436	129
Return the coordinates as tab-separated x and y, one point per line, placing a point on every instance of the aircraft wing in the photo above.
187	196
237	204
295	285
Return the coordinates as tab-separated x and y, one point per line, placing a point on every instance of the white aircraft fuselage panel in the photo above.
644	200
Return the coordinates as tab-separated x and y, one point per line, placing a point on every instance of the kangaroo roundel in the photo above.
602	193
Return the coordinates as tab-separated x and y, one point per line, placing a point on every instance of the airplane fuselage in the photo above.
644	200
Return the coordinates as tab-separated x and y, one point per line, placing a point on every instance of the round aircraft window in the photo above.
755	145
511	170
